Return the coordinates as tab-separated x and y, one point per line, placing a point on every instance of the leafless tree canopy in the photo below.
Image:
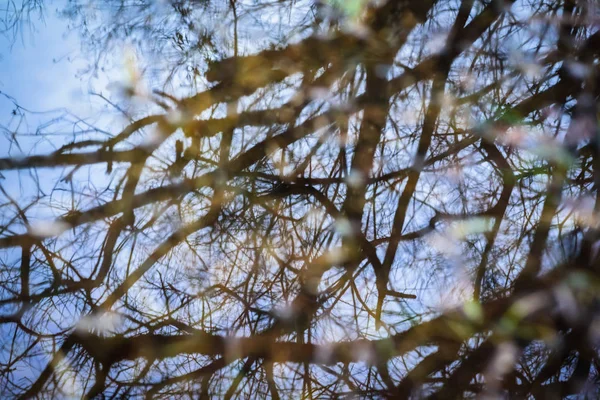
312	199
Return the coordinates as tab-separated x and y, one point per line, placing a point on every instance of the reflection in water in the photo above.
308	199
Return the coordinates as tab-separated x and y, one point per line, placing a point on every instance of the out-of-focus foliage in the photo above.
312	199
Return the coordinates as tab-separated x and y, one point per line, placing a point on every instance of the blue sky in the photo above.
39	67
44	69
